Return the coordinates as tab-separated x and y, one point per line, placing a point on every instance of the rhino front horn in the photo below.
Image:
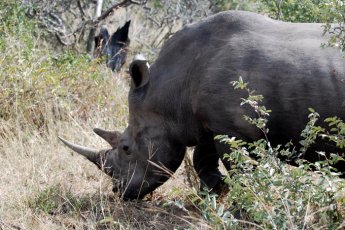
89	153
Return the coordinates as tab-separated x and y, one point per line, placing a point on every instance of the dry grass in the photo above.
46	186
43	185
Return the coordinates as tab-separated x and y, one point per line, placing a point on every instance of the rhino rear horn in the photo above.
112	137
89	153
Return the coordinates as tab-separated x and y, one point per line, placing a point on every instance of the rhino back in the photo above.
282	61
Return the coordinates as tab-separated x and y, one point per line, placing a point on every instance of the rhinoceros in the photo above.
185	98
114	48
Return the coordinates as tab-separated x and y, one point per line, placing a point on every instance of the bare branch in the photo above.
124	3
138	2
80	7
60	40
49	14
155	21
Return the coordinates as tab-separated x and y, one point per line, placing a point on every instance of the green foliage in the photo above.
269	194
253	101
221	5
296	10
335	13
54	200
13	18
279	196
45	201
213	212
311	131
330	12
15	24
337	131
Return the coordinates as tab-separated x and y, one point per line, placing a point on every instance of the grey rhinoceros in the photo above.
185	97
114	47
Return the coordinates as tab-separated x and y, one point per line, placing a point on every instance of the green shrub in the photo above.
268	193
336	15
295	10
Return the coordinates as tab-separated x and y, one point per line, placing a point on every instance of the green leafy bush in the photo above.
270	194
336	15
296	10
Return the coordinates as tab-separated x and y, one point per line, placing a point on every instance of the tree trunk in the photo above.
90	41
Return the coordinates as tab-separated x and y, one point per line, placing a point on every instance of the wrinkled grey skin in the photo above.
115	48
185	97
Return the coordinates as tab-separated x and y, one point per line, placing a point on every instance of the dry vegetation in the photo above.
43	185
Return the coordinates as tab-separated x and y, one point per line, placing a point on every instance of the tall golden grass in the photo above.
43	185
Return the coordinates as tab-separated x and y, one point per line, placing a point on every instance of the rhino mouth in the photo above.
119	187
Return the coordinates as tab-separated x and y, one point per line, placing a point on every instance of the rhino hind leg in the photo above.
206	163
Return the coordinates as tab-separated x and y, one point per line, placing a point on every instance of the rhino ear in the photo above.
112	137
104	34
139	71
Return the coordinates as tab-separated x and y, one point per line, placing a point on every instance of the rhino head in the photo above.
114	47
144	156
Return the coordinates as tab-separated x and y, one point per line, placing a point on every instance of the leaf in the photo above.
220	210
321	153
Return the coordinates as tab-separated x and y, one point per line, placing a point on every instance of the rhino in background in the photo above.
114	48
185	99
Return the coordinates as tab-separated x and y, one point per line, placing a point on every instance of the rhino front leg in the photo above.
206	163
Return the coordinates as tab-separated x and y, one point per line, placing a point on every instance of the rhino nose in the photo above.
124	148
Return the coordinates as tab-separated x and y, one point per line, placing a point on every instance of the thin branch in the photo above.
80	7
56	25
60	40
155	21
124	3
